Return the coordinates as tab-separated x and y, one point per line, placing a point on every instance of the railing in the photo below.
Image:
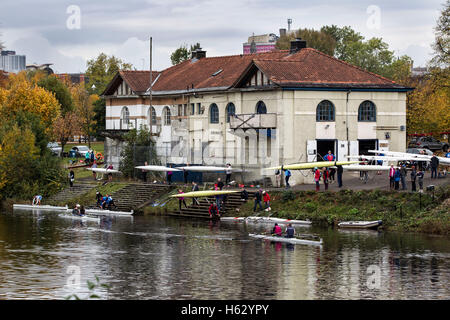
253	121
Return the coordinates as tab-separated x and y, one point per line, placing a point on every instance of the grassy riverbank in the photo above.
400	211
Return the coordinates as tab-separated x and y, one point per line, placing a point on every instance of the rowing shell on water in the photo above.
106	212
288	240
82	218
312	165
267	220
156	168
360	224
35	207
103	170
197	194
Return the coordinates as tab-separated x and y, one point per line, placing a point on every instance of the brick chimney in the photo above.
297	45
198	54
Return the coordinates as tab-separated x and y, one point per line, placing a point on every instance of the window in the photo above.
166	115
180	110
261	108
125	116
192	109
152	110
185	113
199	108
367	111
213	113
231	110
325	111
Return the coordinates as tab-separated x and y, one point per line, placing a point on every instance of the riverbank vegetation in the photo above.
400	211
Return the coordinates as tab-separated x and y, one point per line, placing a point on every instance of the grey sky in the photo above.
38	29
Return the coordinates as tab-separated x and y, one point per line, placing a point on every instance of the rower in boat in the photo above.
76	211
37	200
290	231
276	231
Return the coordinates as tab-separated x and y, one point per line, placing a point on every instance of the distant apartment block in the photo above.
260	44
10	62
73	78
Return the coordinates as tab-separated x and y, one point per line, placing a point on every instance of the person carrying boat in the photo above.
228	172
326	177
413	178
213	210
278	178
220	183
37	200
181	199
110	167
276	231
290	231
317	175
287	174
195	188
340	171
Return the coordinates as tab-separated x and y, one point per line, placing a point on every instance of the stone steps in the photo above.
69	193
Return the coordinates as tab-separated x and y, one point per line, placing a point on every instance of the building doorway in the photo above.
323	146
367	144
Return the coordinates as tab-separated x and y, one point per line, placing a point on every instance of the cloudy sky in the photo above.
69	32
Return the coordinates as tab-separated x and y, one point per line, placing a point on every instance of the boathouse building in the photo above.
258	110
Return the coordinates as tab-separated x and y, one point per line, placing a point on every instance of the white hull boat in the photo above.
82	218
287	240
267	220
36	207
105	212
360	224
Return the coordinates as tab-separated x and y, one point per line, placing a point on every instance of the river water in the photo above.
43	256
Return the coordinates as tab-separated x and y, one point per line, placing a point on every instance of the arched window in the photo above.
152	110
367	111
325	111
261	107
213	113
166	115
125	116
231	110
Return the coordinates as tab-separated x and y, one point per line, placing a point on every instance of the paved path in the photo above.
351	181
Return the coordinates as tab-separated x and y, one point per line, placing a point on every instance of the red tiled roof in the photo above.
139	81
307	67
312	67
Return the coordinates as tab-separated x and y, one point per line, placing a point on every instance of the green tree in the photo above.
102	70
139	148
62	94
318	40
441	44
183	53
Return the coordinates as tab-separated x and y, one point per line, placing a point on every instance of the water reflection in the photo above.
167	258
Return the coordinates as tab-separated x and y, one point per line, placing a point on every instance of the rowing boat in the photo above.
287	240
360	224
35	207
312	165
103	170
156	168
197	194
82	218
267	220
369	167
105	212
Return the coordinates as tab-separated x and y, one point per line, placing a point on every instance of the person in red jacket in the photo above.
277	230
213	210
325	177
317	178
266	199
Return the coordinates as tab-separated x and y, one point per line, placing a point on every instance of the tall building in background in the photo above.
10	62
261	43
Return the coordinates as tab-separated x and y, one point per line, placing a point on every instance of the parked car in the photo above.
54	148
419	150
78	151
428	143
